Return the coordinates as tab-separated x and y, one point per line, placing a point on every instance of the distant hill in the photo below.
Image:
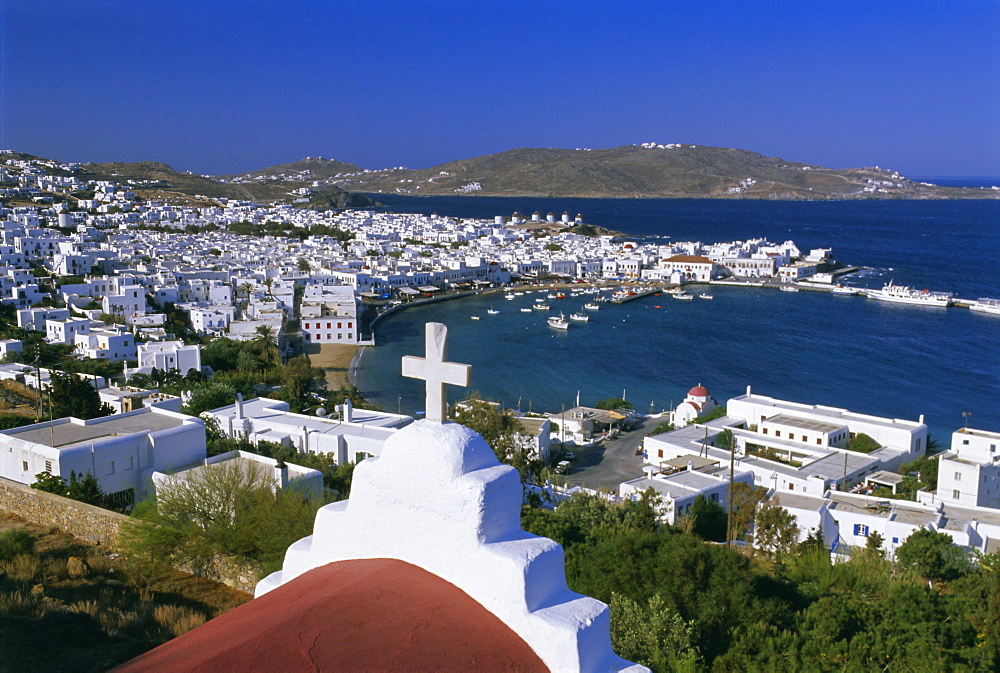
630	171
310	168
154	179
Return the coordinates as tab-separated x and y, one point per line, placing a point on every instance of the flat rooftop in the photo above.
835	414
803	423
64	432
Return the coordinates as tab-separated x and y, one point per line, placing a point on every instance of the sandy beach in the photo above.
335	359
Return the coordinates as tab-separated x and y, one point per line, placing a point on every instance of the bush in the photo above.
15	541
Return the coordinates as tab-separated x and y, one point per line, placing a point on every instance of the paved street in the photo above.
608	464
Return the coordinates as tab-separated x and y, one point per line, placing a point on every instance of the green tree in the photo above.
266	342
612	403
225	511
85	488
70	395
50	483
862	443
708	519
745	499
710	415
652	634
775	529
502	431
874	544
724	440
207	396
932	555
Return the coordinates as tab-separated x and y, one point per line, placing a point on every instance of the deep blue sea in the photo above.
871	357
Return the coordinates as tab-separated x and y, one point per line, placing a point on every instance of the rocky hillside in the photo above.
631	171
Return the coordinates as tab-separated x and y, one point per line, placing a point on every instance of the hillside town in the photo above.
101	271
146	288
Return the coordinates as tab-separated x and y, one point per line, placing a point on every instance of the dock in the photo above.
636	295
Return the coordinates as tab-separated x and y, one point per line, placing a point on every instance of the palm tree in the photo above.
266	342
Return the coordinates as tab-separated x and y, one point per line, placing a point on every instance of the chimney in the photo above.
281	473
748	391
347	411
690	466
239	406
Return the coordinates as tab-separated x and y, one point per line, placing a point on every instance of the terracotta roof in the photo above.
698	391
366	615
690	259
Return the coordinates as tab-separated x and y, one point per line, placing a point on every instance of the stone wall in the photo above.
93	524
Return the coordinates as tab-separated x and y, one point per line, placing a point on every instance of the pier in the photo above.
636	295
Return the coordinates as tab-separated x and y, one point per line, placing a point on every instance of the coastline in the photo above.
337	360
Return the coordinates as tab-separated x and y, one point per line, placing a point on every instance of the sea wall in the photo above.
93	524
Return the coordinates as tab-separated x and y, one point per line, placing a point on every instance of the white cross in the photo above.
435	371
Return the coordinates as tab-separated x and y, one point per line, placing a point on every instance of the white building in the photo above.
65	331
329	314
356	435
681	480
105	345
698	402
969	473
167	356
121	451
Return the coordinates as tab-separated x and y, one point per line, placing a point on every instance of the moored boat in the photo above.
901	294
541	307
591	306
843	289
986	305
581	317
558	321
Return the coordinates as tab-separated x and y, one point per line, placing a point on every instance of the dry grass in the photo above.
105	617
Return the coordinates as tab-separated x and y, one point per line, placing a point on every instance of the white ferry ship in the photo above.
901	294
986	305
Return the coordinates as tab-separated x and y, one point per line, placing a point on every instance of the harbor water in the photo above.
891	360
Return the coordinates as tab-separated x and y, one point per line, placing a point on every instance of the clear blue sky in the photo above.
218	87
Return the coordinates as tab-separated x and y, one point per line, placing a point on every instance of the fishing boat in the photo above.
580	317
509	297
525	310
705	295
558	322
560	295
492	311
843	289
683	296
986	305
474	317
542	306
900	294
788	288
591	306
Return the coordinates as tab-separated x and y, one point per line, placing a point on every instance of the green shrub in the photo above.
15	541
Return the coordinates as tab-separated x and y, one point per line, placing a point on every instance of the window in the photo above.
340	325
791	487
861	529
958	476
791	435
956	494
131	463
24	465
965	442
48	466
111	467
819	441
660	453
329	325
777	433
350	325
765	431
895	540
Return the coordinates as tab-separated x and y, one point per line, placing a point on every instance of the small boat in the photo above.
493	312
684	297
550	296
474	317
508	297
541	307
788	288
705	295
986	305
841	289
591	306
581	317
558	322
560	295
525	310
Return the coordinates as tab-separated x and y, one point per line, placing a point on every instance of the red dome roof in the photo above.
366	615
698	391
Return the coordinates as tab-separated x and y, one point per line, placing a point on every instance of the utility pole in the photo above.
729	499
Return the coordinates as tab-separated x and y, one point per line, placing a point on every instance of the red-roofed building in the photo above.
693	267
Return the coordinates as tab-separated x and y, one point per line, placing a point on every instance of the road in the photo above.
608	464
